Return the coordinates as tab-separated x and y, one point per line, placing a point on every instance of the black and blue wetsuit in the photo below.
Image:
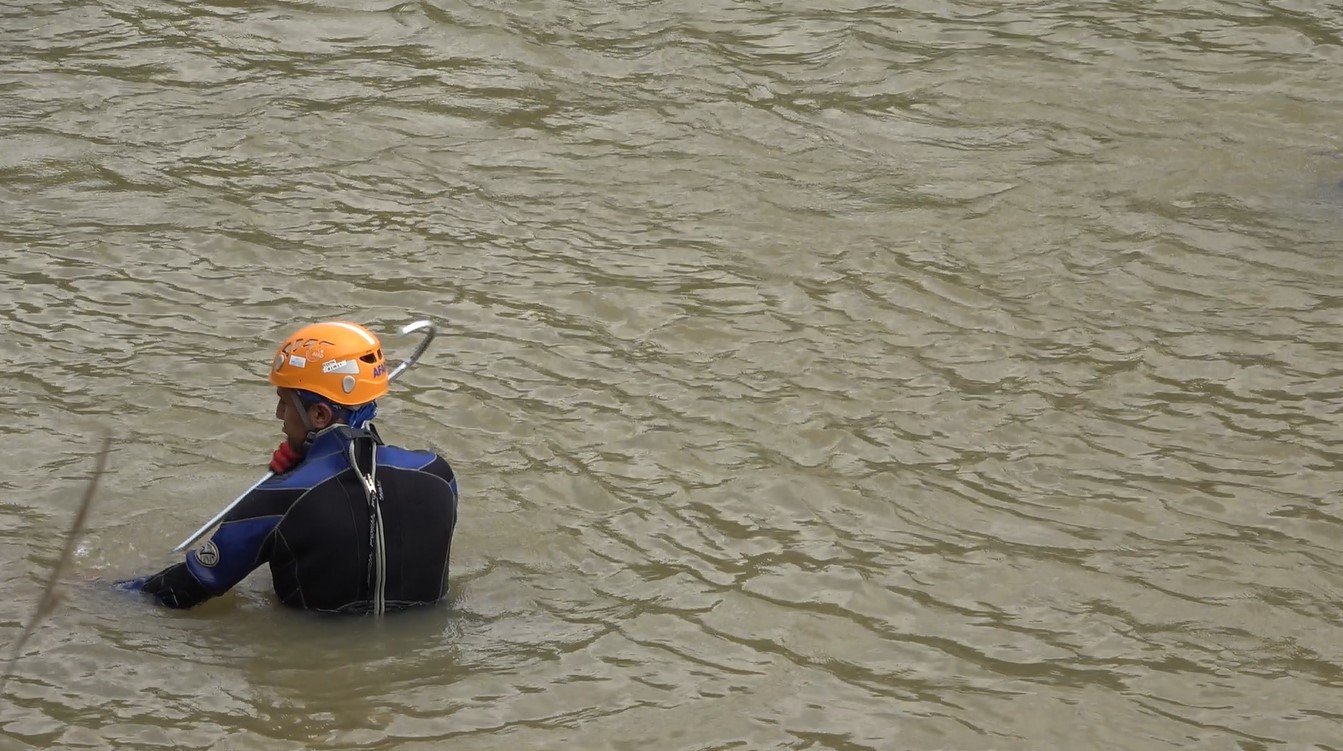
333	542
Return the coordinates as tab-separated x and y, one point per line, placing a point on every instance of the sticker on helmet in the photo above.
341	366
297	361
208	555
379	370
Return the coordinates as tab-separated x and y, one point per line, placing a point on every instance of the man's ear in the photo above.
321	415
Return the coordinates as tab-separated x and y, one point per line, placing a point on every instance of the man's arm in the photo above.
241	544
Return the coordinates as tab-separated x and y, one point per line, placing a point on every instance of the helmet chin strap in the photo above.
307	423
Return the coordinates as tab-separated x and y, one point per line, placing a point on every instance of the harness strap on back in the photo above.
361	451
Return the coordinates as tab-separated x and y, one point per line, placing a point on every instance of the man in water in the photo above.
347	524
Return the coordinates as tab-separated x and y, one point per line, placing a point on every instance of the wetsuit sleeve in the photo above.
241	544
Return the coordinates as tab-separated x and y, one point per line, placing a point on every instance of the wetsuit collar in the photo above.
333	438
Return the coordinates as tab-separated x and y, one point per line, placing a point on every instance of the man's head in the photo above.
325	373
303	412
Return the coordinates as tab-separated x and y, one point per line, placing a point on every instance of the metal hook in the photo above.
429	335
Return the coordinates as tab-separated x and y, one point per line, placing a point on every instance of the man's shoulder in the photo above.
312	472
404	458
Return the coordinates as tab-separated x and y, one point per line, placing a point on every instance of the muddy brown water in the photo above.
950	375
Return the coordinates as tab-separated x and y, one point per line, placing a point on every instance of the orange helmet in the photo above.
339	360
